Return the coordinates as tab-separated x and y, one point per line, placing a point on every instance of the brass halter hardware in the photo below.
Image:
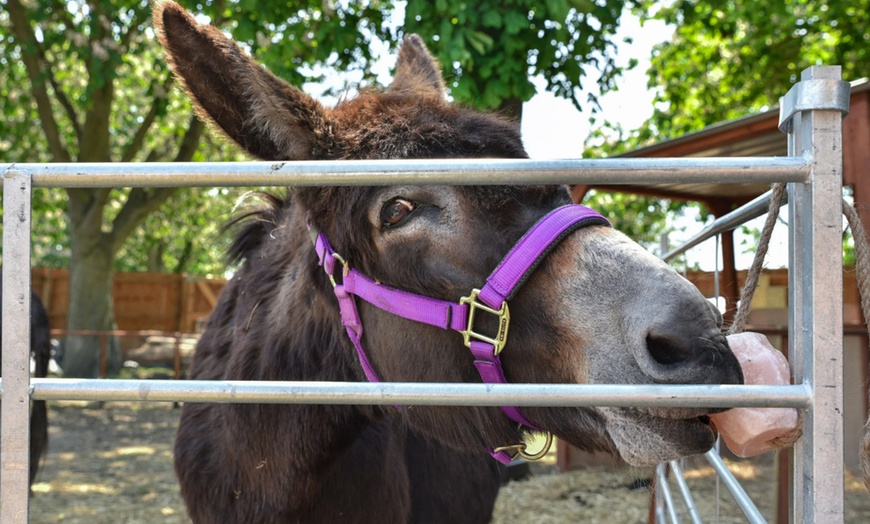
520	449
504	320
344	271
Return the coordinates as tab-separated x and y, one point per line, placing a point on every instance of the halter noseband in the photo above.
501	285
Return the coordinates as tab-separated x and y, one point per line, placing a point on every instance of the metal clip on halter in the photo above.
344	271
520	449
504	319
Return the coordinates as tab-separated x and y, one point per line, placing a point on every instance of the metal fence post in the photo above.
15	411
812	111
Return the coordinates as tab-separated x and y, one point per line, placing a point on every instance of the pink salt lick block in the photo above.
752	431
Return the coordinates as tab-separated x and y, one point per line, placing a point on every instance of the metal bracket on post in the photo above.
15	409
814	94
811	113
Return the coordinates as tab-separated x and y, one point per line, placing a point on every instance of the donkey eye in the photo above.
395	211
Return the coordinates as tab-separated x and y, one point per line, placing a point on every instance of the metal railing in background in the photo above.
749	211
103	337
814	172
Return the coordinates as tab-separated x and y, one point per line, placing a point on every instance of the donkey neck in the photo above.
250	338
285	322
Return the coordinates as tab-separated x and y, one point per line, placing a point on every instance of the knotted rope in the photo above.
748	291
862	276
862	273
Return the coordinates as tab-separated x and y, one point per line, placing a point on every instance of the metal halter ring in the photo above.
521	449
344	271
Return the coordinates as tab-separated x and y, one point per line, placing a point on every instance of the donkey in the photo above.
597	309
40	351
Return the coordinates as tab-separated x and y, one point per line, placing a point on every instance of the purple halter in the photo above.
502	284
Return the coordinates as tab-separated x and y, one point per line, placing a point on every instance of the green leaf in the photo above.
492	19
583	6
557	9
514	22
481	42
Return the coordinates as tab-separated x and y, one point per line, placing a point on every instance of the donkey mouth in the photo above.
707	421
678	413
690	416
685	415
647	437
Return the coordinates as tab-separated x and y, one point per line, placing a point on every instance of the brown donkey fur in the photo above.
598	309
40	351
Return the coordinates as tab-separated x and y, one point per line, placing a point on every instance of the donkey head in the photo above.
598	309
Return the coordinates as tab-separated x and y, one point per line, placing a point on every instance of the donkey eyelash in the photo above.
403	213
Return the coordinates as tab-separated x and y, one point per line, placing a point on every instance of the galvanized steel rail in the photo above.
416	172
753	209
421	394
733	485
814	173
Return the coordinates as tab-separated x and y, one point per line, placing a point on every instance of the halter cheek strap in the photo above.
503	283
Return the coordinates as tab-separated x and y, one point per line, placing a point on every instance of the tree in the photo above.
491	49
90	80
731	58
160	246
728	59
85	81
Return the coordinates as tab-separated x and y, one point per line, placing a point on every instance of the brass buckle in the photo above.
520	449
504	319
344	271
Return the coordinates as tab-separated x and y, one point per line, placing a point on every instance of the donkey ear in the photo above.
263	114
416	70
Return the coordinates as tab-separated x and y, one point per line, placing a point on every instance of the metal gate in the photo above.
811	114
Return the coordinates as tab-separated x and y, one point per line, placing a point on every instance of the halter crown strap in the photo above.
517	266
501	285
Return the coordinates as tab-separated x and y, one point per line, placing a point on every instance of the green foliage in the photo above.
289	37
491	49
184	236
643	219
50	238
729	59
109	96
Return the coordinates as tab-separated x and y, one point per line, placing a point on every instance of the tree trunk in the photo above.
90	288
90	308
155	258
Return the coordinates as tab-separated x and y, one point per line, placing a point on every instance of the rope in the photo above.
862	273
862	276
862	258
746	294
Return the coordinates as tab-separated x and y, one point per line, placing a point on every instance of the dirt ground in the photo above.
108	465
113	464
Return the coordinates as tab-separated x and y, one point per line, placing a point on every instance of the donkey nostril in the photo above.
666	351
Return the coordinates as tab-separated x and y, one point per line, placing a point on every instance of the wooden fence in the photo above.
168	302
143	301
